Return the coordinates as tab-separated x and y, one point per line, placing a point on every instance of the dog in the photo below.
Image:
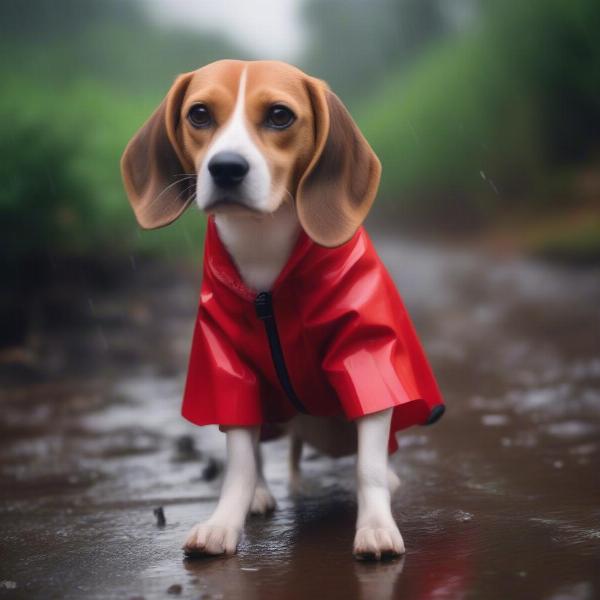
299	321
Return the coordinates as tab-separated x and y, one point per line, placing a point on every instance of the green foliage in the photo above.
355	43
437	130
482	119
62	159
109	41
553	48
42	202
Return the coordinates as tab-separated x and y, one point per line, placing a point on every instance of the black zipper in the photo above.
263	303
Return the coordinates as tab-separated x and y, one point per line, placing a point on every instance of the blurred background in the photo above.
486	116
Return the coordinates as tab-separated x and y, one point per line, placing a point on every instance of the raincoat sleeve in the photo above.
373	358
220	388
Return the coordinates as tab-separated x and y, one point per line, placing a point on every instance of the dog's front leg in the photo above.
263	501
221	533
377	534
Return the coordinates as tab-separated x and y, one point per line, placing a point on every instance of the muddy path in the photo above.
500	500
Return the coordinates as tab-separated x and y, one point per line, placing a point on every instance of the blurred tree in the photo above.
553	48
42	202
44	208
355	43
45	20
490	120
109	40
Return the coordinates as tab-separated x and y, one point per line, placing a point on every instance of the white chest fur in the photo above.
259	245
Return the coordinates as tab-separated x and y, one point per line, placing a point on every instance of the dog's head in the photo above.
245	137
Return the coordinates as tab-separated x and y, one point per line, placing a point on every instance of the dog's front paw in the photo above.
263	501
207	539
375	543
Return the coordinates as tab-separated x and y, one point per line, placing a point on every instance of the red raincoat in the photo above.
331	338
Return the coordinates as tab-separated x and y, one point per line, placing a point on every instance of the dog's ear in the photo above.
339	185
152	165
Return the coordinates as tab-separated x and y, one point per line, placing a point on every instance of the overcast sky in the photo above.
268	28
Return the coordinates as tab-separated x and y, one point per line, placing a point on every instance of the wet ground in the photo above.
499	500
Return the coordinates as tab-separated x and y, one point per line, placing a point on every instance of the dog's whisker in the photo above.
292	199
184	191
177	181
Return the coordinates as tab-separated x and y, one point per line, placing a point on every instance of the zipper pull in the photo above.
263	304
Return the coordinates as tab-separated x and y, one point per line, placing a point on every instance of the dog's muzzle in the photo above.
228	169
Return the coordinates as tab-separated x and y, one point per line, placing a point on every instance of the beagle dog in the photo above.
272	156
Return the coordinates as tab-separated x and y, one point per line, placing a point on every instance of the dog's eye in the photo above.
199	116
279	117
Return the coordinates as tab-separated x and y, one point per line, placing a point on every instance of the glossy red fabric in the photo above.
348	343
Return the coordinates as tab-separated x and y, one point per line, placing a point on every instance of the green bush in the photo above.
60	157
42	202
484	121
437	127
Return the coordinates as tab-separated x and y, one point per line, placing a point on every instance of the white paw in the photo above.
375	543
211	539
263	501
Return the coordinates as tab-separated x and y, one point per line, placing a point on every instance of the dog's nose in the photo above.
228	168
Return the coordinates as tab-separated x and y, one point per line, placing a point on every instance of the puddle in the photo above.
500	500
